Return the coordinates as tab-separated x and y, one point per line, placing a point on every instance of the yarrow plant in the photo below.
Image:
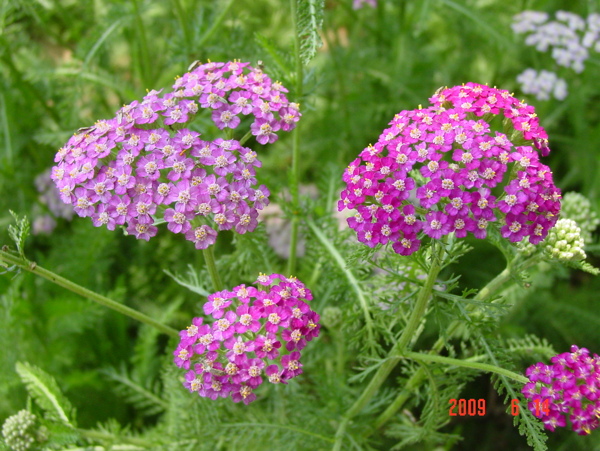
567	388
443	169
145	163
570	38
22	431
543	84
256	333
50	199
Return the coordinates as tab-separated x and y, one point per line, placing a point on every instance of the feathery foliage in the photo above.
310	20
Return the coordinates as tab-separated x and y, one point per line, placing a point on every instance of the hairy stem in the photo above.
218	21
295	176
492	288
180	13
144	54
396	353
465	364
349	276
78	289
100	436
209	258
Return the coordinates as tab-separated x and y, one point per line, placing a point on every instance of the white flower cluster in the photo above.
19	431
542	85
577	207
564	241
570	38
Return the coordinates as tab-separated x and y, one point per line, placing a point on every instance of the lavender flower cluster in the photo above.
543	84
358	4
44	223
145	162
433	171
256	333
570	39
568	388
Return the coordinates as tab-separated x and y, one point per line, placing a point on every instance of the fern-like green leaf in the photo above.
191	281
19	232
146	400
44	390
583	266
531	346
529	426
310	19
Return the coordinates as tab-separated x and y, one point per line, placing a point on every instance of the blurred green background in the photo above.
66	63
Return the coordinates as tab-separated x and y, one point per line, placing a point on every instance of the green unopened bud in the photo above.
577	207
526	248
331	317
22	432
564	241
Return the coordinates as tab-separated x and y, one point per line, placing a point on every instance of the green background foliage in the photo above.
66	63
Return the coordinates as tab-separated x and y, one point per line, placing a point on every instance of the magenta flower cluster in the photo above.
482	100
568	388
256	334
433	170
145	162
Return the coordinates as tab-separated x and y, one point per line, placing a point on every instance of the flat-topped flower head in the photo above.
233	90
145	164
483	100
568	388
195	185
256	336
435	171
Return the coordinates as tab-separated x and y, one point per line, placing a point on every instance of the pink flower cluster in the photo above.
145	163
482	100
256	334
569	387
433	171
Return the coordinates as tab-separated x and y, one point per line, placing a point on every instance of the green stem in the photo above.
423	298
349	275
496	285
209	258
413	382
396	353
245	137
466	364
219	19
295	178
144	49
78	289
99	436
181	17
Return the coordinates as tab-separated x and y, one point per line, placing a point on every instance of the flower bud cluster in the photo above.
144	162
568	388
20	431
577	207
542	85
564	241
256	334
332	317
433	171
